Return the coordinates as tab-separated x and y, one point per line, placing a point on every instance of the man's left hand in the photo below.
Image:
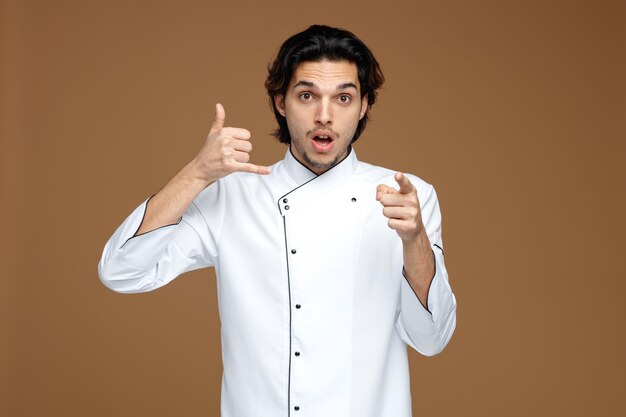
402	207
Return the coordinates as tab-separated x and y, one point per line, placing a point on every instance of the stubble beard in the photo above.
320	166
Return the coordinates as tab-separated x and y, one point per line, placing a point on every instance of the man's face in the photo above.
323	106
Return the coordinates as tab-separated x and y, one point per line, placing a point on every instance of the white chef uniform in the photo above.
315	312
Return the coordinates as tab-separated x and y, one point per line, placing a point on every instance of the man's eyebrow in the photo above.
346	85
304	83
339	87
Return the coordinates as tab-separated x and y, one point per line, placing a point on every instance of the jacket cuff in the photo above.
428	330
132	219
138	251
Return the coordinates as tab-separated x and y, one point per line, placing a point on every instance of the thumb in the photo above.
220	116
384	189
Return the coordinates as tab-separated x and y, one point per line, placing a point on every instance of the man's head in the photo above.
323	81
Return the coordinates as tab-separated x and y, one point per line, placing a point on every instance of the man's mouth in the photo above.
322	139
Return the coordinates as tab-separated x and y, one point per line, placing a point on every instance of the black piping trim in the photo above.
316	175
149	231
440	248
429	285
289	292
294	157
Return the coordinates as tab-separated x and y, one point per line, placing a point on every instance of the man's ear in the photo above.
363	106
279	102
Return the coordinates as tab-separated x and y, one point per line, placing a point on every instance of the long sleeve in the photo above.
428	331
139	263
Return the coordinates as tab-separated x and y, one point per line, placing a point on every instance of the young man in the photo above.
327	267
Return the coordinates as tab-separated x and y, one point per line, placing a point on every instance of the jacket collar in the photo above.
310	185
296	170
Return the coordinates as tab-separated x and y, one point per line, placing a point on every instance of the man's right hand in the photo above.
225	151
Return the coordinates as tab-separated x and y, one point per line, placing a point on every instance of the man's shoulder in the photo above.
383	175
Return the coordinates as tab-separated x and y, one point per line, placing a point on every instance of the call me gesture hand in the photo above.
402	208
225	151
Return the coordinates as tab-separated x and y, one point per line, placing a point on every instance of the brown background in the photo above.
513	110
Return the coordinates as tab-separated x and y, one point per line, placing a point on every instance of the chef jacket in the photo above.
315	311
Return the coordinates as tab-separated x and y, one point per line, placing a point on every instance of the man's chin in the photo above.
320	166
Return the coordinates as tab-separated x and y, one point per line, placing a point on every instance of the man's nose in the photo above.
323	115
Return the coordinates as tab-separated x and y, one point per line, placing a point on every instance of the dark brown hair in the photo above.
316	43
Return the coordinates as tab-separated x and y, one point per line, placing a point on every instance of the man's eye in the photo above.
305	96
345	99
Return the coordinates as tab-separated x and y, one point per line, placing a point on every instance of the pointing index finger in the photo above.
406	186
